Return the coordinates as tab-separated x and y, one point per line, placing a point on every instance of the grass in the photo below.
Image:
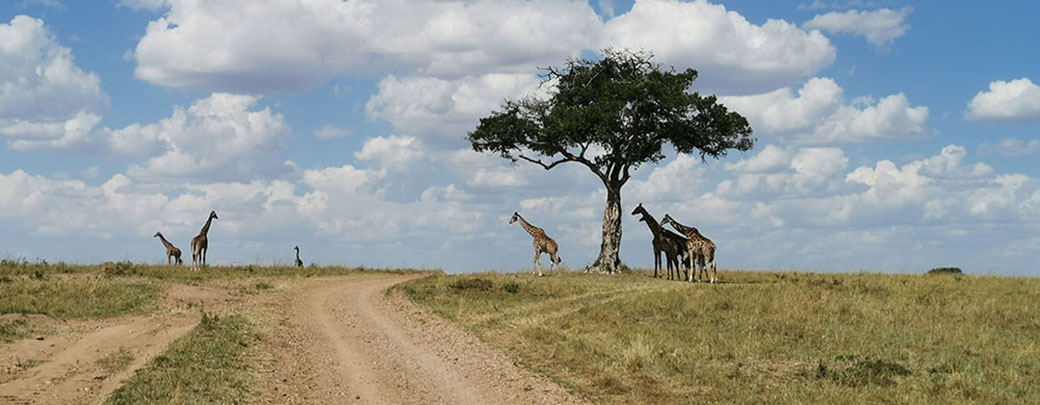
16	329
116	361
42	269
211	364
806	338
76	297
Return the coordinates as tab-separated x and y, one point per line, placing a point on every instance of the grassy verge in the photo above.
76	297
12	269
809	338
211	364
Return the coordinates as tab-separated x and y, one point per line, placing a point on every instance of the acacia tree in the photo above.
611	115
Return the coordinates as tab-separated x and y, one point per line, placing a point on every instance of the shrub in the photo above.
472	284
946	270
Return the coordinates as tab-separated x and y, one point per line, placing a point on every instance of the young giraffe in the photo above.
700	248
171	251
664	241
299	263
542	243
200	244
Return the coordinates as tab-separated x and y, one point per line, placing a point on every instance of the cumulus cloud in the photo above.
45	99
268	45
732	55
819	115
1006	102
394	152
218	137
881	27
441	110
1011	147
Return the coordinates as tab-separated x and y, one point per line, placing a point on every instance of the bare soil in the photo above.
67	366
325	340
347	341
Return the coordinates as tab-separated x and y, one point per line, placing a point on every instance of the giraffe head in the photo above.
213	214
297	248
516	216
641	211
157	234
667	220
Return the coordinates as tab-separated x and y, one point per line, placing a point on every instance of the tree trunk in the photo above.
608	260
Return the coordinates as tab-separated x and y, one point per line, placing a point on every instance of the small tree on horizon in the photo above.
611	115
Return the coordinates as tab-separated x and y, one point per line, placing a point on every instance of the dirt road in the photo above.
346	341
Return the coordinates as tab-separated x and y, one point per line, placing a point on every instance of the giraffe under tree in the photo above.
299	263
700	249
611	115
542	243
172	252
200	243
664	241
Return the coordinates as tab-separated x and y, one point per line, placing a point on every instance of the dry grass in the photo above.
809	338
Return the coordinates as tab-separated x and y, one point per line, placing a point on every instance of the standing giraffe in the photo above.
171	251
542	243
299	263
200	244
671	244
700	248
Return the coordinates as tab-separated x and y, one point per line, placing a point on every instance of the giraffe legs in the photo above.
538	262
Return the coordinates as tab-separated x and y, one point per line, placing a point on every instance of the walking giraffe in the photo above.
542	243
699	247
299	263
171	251
200	244
664	241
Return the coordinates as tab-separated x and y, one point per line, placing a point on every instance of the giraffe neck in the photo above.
165	242
655	228
297	254
683	228
531	229
205	228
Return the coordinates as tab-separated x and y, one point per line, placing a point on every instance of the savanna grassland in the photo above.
753	338
756	338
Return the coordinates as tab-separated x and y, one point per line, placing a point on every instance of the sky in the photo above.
892	136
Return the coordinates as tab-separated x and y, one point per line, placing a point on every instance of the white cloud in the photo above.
45	99
1006	102
1011	147
818	115
217	137
731	55
881	27
270	45
443	111
393	153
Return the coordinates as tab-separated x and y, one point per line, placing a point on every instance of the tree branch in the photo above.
543	165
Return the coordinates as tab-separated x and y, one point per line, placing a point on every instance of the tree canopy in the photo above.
612	115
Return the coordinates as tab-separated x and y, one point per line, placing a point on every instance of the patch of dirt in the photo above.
346	341
63	366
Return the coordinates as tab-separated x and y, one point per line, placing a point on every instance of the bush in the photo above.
472	284
946	270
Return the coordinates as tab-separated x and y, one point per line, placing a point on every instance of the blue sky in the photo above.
892	136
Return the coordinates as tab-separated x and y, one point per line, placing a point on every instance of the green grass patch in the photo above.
76	297
757	338
42	269
16	329
211	364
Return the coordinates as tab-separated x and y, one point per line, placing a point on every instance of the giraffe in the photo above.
299	263
200	244
662	242
700	249
171	251
542	243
